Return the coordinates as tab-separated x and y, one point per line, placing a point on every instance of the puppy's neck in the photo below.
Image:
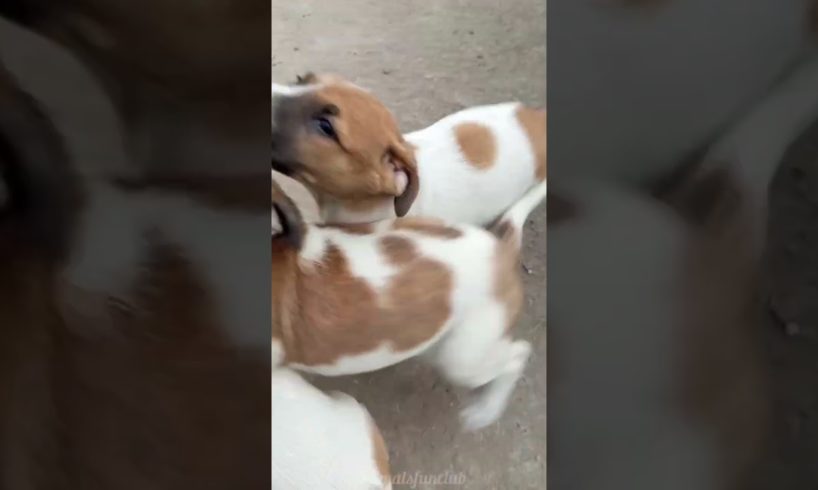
354	211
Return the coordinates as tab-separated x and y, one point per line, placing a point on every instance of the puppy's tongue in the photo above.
401	181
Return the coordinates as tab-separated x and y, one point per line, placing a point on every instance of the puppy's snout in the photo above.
285	168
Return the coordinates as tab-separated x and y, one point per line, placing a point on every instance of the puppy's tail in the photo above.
509	228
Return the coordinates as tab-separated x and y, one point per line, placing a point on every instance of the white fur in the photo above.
320	441
449	184
472	348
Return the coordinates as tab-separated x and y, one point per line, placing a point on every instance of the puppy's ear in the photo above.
405	159
39	191
293	228
306	79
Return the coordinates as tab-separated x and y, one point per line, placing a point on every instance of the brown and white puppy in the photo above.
471	165
118	350
343	143
357	298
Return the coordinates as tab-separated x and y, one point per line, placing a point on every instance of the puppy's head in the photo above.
342	141
288	225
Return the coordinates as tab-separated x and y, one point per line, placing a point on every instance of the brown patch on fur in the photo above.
508	286
477	143
352	228
322	311
381	454
534	122
725	384
812	17
398	250
363	205
427	226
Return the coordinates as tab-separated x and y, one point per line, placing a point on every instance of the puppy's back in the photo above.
495	152
321	441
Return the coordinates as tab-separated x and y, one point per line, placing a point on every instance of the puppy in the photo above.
119	334
471	165
357	298
321	441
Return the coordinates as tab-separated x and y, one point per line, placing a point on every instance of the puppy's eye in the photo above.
323	125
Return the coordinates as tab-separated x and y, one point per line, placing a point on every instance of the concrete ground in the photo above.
425	59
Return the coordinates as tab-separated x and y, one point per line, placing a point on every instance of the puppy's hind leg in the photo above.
511	356
481	356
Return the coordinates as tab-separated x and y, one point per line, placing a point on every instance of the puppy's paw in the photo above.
480	414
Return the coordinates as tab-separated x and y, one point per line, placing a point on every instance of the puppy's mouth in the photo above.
401	181
286	167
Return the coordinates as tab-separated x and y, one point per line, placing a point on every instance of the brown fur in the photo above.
534	122
426	226
812	17
508	286
362	205
477	144
361	163
352	228
322	312
398	250
380	452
